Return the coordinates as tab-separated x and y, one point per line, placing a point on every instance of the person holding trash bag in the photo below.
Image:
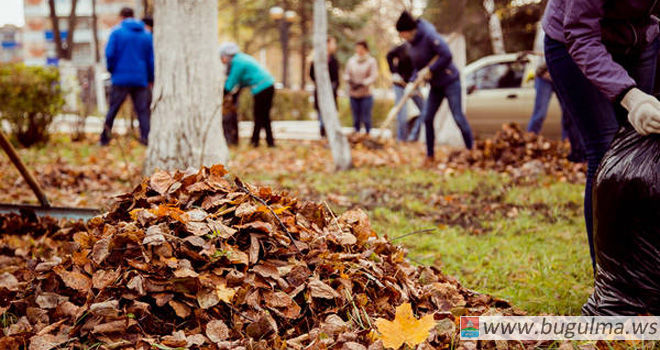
425	46
402	70
601	55
245	71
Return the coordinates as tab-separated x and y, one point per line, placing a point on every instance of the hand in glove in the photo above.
397	79
425	74
643	111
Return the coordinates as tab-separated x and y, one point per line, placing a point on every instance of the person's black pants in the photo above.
141	97
263	101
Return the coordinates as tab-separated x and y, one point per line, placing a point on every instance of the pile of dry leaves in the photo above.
522	154
194	260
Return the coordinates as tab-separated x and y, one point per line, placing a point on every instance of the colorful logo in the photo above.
469	327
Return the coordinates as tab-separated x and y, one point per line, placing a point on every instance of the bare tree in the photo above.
341	150
187	115
64	50
495	28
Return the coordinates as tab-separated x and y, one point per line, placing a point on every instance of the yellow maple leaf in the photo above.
405	328
277	211
225	294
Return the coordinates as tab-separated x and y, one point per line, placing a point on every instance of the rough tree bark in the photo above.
186	124
495	28
341	150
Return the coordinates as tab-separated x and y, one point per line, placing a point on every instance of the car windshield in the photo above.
497	76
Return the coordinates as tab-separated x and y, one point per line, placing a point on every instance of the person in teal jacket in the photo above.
245	71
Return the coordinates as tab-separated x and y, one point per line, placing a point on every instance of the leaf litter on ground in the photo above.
191	259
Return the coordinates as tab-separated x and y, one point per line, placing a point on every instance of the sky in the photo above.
11	12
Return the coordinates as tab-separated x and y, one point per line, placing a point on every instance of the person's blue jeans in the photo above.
141	97
454	98
402	117
596	117
544	91
361	108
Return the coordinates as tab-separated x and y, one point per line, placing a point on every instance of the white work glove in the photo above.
397	79
643	111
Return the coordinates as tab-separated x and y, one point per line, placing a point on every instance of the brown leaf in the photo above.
74	279
253	253
22	326
104	278
101	250
106	308
8	281
118	326
318	289
137	284
161	181
218	229
207	298
282	304
245	209
264	326
182	310
47	341
50	300
217	331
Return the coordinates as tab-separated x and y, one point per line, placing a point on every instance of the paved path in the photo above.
282	130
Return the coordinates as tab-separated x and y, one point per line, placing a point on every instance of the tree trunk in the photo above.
495	28
55	22
95	33
186	126
303	43
341	150
73	20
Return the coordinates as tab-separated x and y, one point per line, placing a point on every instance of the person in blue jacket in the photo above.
129	56
425	45
245	71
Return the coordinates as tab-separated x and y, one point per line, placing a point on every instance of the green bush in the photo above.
287	105
29	99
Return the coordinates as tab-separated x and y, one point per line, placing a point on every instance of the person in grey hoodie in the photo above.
361	73
601	55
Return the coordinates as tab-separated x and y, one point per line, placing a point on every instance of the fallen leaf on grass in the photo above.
405	328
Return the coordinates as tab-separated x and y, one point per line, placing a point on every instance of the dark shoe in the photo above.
322	132
144	142
429	162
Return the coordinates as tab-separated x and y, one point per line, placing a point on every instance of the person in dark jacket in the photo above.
544	89
333	69
402	70
425	45
601	55
130	59
245	71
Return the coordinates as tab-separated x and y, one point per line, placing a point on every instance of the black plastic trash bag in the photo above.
627	228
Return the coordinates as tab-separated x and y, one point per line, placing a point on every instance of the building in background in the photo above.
10	44
38	39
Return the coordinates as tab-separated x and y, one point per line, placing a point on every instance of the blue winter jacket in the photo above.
130	54
246	71
427	44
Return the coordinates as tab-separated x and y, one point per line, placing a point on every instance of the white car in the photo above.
500	89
